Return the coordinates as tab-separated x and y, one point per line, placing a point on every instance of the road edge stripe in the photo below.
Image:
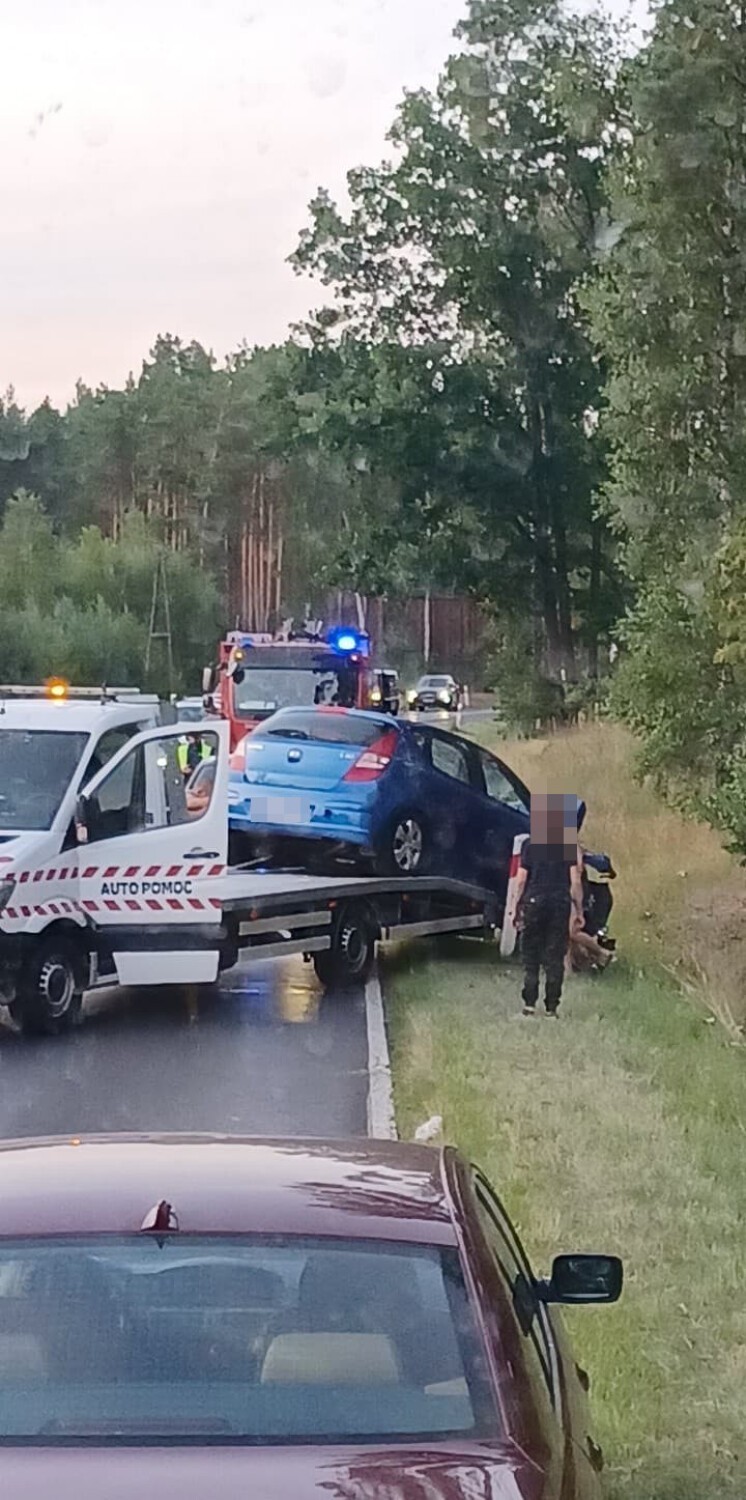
381	1116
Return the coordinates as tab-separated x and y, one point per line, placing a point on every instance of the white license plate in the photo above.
276	810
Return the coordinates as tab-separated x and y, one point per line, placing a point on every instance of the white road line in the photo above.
381	1119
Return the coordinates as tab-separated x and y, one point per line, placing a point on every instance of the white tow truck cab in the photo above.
111	878
53	739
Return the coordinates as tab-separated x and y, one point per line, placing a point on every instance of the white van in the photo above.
53	740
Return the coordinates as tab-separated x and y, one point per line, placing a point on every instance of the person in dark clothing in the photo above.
550	890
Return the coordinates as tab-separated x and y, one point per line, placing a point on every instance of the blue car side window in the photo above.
497	785
450	759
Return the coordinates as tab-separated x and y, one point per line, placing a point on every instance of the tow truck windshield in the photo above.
36	768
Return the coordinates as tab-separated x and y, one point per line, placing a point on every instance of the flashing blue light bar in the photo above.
349	641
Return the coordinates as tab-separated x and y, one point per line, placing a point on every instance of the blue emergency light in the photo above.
349	641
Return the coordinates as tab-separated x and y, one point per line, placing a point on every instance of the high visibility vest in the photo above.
182	754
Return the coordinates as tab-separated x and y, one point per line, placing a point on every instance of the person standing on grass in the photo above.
549	897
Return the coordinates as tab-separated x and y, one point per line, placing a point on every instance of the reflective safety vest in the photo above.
189	755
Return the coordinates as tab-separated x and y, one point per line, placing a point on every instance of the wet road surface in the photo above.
267	1054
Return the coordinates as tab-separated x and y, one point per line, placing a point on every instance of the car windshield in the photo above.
265	689
36	768
435	682
250	1339
326	728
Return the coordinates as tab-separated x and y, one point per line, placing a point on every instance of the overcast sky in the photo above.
158	157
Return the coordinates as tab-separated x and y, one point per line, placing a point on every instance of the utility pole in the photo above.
160	620
426	627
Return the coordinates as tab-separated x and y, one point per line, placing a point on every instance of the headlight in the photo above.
411	695
444	696
7	887
375	695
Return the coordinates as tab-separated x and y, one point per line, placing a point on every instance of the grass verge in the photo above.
622	1127
680	898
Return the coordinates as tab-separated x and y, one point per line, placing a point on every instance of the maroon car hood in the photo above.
477	1471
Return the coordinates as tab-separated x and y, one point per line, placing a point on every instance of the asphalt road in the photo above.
451	720
267	1054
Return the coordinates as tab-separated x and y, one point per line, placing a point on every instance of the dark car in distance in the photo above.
184	1316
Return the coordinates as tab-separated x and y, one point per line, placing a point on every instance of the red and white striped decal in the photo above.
114	872
55	872
63	908
151	903
59	908
151	872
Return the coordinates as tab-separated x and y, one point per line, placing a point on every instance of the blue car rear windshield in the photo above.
327	727
248	1340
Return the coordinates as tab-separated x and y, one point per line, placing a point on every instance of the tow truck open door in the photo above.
149	863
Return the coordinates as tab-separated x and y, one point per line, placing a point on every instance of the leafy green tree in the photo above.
468	250
82	607
668	310
14	446
28	553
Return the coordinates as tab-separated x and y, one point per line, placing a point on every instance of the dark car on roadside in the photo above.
408	798
439	692
187	1316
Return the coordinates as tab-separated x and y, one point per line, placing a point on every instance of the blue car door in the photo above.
454	802
504	811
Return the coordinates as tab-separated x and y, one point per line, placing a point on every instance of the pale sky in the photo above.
157	161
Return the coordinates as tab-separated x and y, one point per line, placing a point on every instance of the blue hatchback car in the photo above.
406	798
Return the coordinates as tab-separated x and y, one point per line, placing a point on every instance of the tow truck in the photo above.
123	886
257	674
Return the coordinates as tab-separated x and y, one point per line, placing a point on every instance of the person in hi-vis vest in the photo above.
190	752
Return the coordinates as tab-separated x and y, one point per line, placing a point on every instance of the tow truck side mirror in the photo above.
81	820
208	680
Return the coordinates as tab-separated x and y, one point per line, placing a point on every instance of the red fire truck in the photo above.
257	674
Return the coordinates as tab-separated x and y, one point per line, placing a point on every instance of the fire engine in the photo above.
257	674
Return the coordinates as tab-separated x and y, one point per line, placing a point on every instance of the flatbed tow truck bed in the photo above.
339	919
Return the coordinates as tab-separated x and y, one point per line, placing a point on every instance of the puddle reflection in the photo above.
281	993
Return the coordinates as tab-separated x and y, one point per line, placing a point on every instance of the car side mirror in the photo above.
208	680
583	1278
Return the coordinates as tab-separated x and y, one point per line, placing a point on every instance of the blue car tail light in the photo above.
374	759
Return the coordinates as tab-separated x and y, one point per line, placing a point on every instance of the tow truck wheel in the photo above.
350	959
50	991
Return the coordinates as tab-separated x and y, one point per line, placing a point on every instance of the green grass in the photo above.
622	1128
680	898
